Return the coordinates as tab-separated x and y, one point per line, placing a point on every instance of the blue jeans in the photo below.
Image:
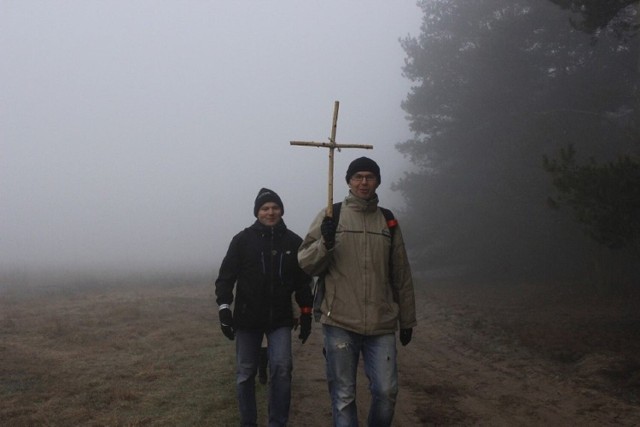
248	344
343	350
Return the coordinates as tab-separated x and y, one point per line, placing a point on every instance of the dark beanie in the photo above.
264	196
363	164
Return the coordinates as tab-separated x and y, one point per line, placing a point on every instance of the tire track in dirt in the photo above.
456	373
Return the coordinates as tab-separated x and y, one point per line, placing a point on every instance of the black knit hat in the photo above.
264	196
363	164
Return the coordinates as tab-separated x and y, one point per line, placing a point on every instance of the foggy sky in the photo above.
136	134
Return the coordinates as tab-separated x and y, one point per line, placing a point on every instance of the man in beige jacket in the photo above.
366	295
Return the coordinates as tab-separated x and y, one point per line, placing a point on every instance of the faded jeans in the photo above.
248	343
343	350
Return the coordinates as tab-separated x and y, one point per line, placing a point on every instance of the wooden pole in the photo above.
332	140
331	146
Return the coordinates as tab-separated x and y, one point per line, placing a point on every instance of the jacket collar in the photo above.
361	205
278	229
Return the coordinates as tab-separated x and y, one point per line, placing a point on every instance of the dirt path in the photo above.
453	373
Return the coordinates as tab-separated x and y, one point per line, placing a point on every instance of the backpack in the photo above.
318	288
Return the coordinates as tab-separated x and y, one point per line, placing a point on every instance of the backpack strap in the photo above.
392	222
336	212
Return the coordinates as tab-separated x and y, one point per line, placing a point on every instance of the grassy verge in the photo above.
122	354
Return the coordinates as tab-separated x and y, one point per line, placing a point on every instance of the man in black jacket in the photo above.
261	263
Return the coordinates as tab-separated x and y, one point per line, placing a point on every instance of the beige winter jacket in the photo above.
358	296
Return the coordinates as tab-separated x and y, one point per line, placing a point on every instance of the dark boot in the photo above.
262	365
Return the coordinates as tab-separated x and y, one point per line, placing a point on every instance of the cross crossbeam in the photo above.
331	145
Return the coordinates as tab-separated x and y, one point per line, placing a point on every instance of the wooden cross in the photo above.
331	145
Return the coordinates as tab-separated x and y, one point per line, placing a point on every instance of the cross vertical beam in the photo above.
331	145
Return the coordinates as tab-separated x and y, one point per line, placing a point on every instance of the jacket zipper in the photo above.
366	267
271	279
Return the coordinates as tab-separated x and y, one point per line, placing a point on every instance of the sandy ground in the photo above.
458	371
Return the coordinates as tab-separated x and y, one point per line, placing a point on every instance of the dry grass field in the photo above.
148	351
114	354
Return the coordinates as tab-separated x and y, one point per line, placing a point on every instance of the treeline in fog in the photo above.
526	138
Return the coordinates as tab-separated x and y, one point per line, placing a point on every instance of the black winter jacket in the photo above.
262	262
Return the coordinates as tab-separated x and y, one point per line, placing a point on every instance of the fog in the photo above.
136	135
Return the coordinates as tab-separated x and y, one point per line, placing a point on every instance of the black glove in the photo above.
305	327
328	231
405	336
226	323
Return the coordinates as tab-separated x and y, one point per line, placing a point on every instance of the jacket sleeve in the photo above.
301	281
313	256
303	295
403	282
228	273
